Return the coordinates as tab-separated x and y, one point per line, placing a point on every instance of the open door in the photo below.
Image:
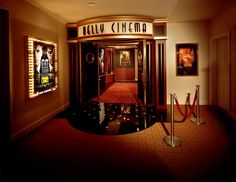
88	72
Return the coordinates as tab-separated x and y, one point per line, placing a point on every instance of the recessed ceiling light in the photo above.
91	4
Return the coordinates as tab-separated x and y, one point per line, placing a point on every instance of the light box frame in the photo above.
40	83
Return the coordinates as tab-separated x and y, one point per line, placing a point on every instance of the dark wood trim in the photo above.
74	74
153	80
161	75
4	93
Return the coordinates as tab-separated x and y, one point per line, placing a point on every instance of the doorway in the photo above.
97	65
106	102
117	73
220	73
111	67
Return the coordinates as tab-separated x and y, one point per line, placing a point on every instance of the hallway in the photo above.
121	92
56	151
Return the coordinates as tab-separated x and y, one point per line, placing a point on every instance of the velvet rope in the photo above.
186	115
186	109
188	103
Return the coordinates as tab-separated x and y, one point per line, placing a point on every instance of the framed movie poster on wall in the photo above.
42	66
187	59
124	58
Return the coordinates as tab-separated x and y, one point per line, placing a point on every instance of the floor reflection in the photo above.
113	119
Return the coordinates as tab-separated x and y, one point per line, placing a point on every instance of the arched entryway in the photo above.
99	62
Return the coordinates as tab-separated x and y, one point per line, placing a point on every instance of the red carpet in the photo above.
121	92
57	152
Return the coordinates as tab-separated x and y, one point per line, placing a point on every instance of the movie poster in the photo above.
187	59
44	56
43	75
124	58
101	61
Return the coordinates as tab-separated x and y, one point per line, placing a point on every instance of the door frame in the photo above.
213	70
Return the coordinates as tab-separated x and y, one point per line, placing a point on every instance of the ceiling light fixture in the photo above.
91	4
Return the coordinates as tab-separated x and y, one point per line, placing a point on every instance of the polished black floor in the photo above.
113	119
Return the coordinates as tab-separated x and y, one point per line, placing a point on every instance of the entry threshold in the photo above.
113	118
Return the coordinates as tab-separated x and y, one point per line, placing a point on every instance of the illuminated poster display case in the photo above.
42	66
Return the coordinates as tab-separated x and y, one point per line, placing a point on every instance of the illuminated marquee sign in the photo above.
115	27
119	27
42	66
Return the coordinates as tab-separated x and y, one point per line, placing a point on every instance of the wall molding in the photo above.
38	123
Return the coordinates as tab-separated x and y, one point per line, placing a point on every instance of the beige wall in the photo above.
225	23
28	20
194	32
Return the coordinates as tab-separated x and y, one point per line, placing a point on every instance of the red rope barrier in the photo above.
186	115
186	110
188	103
178	107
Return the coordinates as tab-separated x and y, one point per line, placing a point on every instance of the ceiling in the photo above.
174	10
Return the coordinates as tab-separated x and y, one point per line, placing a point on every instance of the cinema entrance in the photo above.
117	73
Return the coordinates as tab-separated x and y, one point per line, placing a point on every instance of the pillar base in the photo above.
176	141
198	122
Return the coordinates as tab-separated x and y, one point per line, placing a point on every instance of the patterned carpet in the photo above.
121	92
58	152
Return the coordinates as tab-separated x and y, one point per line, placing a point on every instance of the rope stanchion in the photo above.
197	119
187	114
191	110
172	140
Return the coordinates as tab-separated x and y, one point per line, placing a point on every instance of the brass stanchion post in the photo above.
172	140
197	119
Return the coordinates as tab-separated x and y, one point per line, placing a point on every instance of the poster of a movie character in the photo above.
44	66
124	58
187	59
